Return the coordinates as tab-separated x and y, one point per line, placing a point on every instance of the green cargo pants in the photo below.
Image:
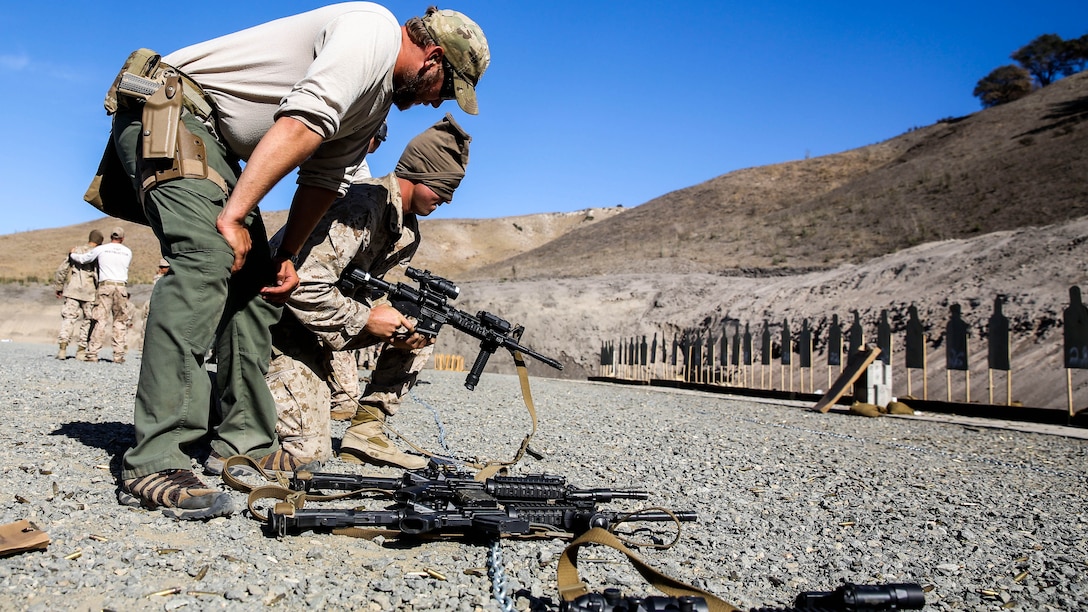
199	302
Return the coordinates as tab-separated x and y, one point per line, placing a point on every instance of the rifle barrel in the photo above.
318	481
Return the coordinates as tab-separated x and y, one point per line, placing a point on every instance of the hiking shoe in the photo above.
279	461
342	413
282	461
179	493
213	465
366	443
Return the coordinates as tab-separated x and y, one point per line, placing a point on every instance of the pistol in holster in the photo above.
168	150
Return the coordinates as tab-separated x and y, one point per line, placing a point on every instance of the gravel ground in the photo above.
788	500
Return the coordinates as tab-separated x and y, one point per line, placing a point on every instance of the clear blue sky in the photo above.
585	104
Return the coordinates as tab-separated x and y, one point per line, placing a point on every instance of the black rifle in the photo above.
483	522
847	598
429	305
440	500
412	521
438	484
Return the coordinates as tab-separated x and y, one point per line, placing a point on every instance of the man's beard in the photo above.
408	94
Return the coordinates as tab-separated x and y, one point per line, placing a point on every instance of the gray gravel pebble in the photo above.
788	500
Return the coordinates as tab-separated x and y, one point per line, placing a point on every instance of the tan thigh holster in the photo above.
168	149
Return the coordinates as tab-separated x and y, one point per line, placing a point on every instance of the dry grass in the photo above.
451	246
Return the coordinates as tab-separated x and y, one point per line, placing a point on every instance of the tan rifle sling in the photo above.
571	587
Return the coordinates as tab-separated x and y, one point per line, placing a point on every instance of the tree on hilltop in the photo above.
1004	84
1078	54
1046	58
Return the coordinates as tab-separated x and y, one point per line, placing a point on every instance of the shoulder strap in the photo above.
571	586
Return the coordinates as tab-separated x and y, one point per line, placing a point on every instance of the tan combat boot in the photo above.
62	351
343	412
366	443
80	352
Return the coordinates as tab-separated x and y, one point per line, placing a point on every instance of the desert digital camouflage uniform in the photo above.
112	303
343	382
366	228
162	270
77	283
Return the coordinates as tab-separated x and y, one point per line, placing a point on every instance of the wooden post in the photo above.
1069	389
1008	388
991	375
925	379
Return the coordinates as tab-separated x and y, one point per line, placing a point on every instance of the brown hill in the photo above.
1020	164
452	246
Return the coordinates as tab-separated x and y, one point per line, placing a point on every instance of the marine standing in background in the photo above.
113	260
77	285
162	270
304	92
375	228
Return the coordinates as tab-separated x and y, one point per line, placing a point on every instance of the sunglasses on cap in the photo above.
448	92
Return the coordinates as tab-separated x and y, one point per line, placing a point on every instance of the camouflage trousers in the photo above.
300	385
112	303
75	322
343	380
393	376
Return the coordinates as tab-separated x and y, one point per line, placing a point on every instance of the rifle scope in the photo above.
435	284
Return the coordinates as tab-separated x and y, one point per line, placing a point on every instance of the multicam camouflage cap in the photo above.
465	49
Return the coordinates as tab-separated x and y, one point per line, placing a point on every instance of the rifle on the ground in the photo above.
436	500
429	305
847	598
438	483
